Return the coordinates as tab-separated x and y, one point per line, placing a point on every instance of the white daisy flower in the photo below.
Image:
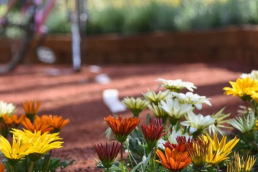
158	111
175	109
244	123
197	122
152	97
174	134
193	99
135	105
252	75
6	108
176	85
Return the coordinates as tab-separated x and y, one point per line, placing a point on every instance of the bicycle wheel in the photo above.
14	41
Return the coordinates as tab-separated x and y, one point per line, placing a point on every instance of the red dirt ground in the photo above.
79	98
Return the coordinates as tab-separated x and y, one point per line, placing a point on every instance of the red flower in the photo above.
107	153
153	132
122	128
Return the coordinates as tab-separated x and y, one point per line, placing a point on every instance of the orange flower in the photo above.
57	122
13	119
2	167
173	160
122	128
37	125
31	108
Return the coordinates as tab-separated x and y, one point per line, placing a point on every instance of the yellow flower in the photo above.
41	142
17	151
219	150
241	164
243	87
198	151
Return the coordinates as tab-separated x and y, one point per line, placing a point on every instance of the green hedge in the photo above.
188	15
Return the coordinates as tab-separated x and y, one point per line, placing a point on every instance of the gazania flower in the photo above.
219	150
2	167
198	151
13	119
180	146
193	99
197	122
122	128
158	112
16	151
40	142
152	97
135	105
252	75
37	125
173	160
107	153
219	122
31	108
176	85
57	122
174	109
243	88
6	108
241	164
244	123
153	132
175	134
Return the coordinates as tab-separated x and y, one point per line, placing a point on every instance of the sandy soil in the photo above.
79	98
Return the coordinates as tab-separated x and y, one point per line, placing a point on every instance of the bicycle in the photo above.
14	47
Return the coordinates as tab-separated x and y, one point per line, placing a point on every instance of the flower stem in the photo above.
46	161
153	158
122	160
31	166
13	168
25	163
129	153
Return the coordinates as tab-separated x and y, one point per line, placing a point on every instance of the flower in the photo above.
252	75
243	88
244	123
6	108
37	125
107	153
180	146
40	142
198	151
197	122
219	150
57	122
219	121
174	109
17	151
174	134
13	119
158	112
241	164
2	167
173	160
135	105
176	85
122	128
31	108
152	97
153	132
193	99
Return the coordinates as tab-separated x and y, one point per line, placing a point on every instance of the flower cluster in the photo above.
178	137
34	142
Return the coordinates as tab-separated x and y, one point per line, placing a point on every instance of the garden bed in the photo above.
79	98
